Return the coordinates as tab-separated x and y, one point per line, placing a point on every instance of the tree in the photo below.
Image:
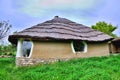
105	27
4	29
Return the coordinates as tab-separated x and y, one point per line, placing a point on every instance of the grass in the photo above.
102	68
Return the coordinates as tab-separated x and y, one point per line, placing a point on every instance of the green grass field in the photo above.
102	68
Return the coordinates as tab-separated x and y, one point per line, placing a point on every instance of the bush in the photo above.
8	50
0	50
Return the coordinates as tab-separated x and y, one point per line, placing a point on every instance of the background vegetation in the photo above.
4	29
7	50
103	68
105	27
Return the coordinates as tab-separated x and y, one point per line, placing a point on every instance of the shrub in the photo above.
8	50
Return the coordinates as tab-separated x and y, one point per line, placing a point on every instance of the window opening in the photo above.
27	46
79	46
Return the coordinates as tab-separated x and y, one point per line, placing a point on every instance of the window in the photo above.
24	48
79	46
27	45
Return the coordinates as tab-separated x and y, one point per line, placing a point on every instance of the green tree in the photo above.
105	27
4	29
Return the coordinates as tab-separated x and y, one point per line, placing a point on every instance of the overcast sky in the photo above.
26	13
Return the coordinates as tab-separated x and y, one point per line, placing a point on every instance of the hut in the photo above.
114	46
58	39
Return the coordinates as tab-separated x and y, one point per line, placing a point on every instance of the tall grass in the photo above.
102	68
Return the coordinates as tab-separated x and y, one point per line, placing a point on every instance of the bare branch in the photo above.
4	28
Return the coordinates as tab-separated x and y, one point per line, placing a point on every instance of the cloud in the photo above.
38	8
22	13
74	4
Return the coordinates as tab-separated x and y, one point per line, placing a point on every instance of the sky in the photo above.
26	13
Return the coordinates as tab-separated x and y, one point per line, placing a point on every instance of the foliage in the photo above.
103	68
4	29
8	50
105	27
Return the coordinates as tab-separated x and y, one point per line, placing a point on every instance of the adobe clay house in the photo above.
58	39
114	46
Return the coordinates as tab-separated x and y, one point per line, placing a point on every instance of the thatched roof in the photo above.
116	40
60	29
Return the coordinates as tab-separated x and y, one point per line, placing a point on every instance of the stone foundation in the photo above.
21	61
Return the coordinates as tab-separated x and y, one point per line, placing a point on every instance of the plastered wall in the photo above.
47	50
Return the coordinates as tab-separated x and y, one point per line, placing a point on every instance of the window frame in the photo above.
20	48
85	47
